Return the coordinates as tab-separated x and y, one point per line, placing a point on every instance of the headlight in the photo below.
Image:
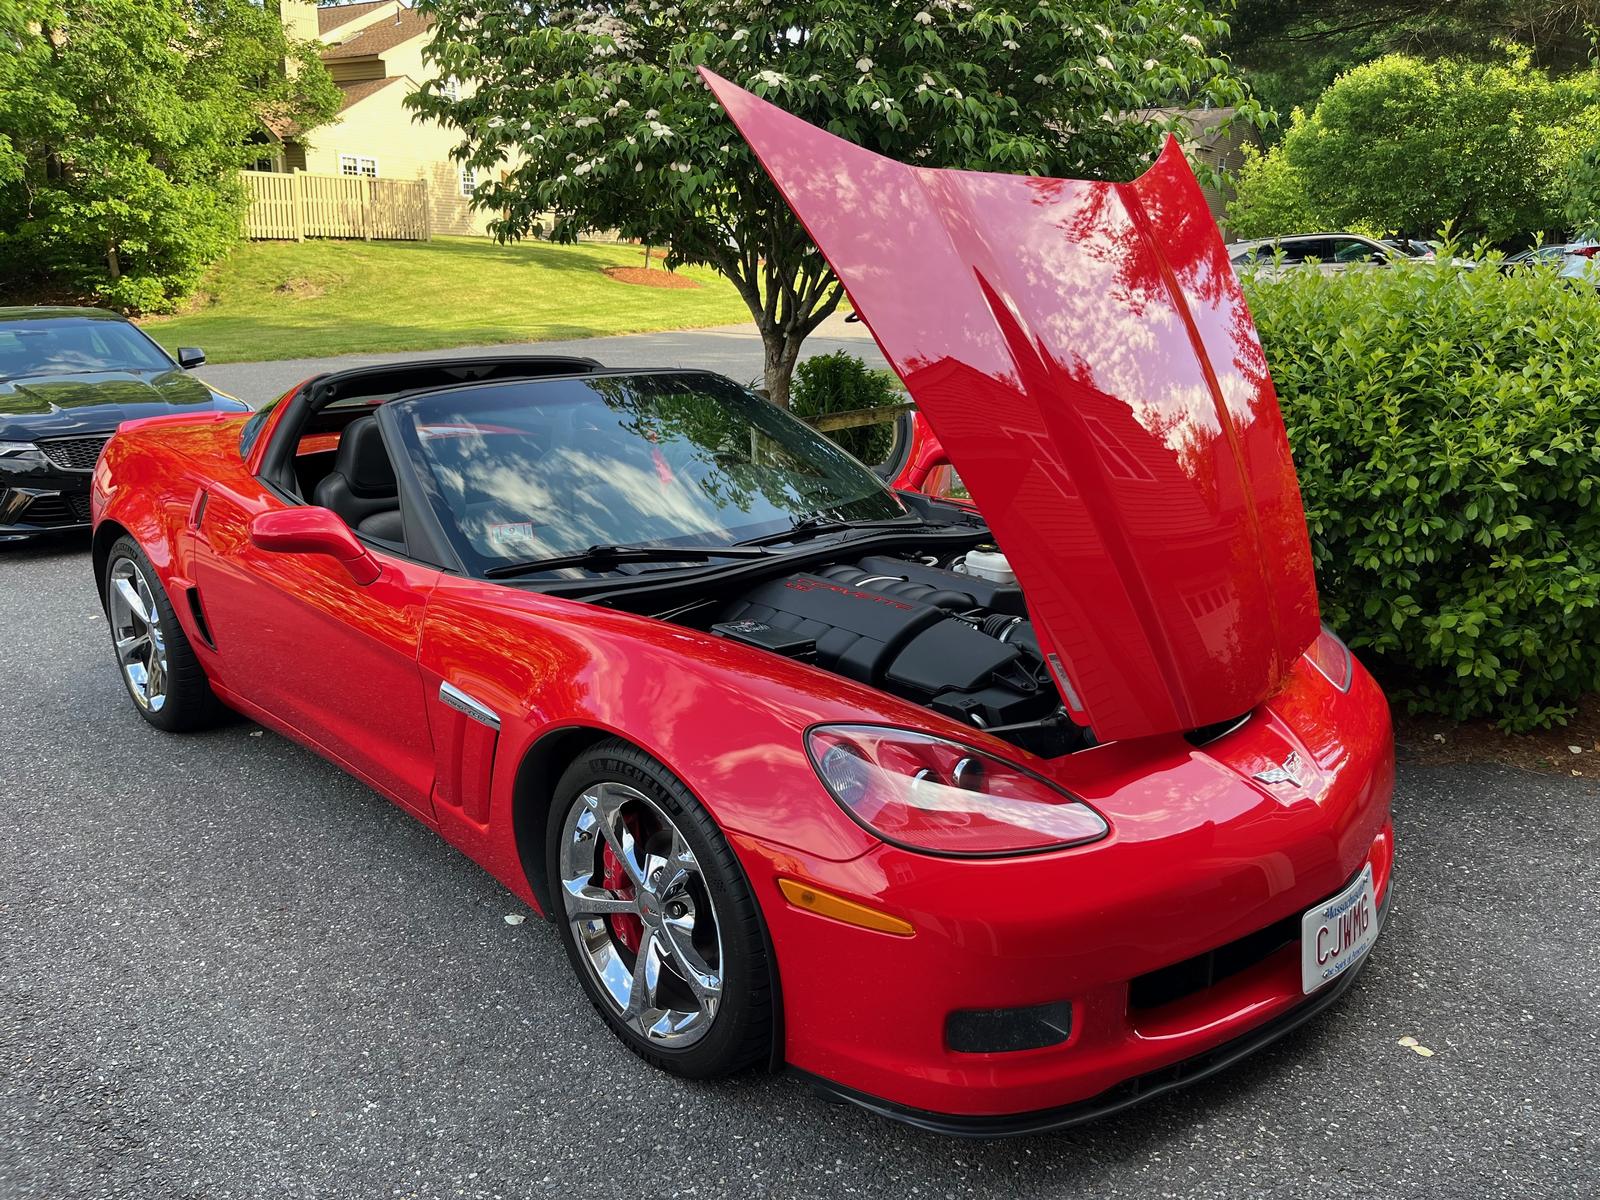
937	796
1331	657
11	449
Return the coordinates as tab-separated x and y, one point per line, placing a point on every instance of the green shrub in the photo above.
1446	429
123	125
1271	198
840	382
1410	144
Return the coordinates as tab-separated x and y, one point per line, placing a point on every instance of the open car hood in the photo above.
1085	355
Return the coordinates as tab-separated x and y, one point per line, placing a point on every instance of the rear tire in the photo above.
656	916
165	681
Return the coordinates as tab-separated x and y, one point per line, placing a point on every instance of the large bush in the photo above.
1446	428
123	125
1413	146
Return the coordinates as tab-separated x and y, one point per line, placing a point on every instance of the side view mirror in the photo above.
942	483
314	531
190	357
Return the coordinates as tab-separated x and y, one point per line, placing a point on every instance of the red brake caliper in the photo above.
628	928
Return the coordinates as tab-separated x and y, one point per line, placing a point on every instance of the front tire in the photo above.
165	681
657	917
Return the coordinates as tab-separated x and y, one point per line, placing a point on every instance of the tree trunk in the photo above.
113	261
786	302
781	352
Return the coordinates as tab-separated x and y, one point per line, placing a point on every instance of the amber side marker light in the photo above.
826	904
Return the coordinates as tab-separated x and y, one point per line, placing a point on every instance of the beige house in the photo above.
1213	138
373	50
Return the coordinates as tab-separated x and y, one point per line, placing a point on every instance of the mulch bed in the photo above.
644	278
1435	741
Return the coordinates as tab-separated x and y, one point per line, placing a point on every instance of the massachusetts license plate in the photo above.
1337	933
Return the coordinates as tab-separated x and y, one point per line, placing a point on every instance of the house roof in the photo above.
279	126
1201	120
382	35
355	93
331	16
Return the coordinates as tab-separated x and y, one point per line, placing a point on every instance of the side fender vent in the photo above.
198	612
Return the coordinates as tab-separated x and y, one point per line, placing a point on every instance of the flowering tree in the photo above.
595	113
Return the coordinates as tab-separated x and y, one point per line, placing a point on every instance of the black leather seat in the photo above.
361	488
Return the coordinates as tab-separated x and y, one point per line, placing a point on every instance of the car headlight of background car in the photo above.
937	796
20	452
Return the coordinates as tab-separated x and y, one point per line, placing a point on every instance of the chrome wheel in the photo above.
641	914
136	630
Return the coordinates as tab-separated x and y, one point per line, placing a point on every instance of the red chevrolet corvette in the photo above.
987	822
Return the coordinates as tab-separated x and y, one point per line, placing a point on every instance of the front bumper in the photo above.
1124	1095
37	497
1175	940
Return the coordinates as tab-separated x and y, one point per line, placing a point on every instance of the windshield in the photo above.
541	468
75	345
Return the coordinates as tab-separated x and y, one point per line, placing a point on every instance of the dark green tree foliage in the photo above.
1446	430
1290	50
123	124
595	113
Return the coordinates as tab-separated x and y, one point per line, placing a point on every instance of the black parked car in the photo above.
68	378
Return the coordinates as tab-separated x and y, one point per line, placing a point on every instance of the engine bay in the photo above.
932	631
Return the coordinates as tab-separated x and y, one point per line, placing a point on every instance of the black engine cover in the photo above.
889	641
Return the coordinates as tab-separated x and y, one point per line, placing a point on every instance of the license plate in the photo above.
1336	934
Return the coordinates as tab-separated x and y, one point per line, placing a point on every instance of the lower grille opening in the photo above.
58	509
1195	974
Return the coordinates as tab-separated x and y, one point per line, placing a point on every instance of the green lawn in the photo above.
309	299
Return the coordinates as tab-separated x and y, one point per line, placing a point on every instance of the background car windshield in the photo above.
539	469
75	345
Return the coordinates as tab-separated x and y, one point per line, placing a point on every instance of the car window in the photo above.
75	346
1347	250
542	468
1300	249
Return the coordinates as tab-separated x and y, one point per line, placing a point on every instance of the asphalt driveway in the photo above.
731	350
228	970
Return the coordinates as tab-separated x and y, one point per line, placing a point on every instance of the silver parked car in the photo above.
1572	260
1329	252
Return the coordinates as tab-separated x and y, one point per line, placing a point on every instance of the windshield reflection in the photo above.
75	346
542	468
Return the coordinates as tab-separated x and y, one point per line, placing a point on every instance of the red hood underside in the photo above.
1084	353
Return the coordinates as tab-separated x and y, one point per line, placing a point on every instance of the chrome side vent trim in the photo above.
453	697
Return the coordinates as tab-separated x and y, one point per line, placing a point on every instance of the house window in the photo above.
358	164
469	180
451	88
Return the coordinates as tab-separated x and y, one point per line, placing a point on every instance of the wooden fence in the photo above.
292	206
856	418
